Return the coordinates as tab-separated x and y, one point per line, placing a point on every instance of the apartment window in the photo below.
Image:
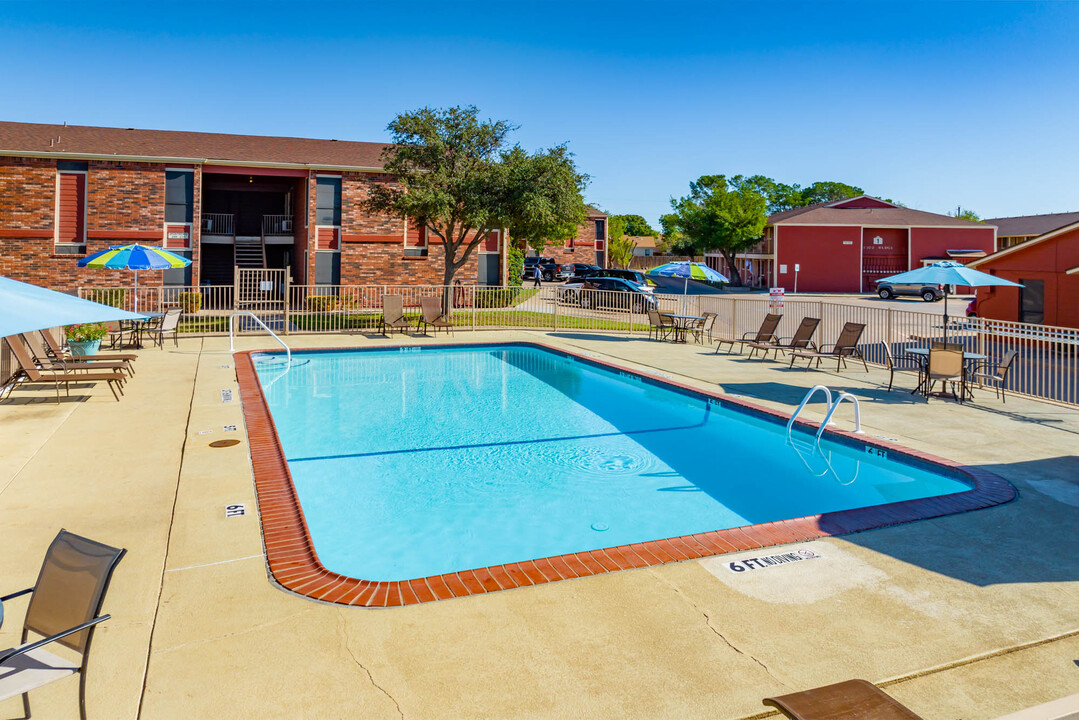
1032	301
601	229
179	196
328	201
70	207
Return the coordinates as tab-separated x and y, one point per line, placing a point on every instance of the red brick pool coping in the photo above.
294	563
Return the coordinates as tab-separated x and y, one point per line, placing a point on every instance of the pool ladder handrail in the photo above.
232	338
832	407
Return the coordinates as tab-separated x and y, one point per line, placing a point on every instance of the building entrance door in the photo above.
884	252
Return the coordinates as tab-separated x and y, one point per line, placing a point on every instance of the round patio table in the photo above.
135	327
681	324
923	355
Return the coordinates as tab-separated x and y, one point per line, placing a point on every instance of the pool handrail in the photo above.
232	338
808	395
831	411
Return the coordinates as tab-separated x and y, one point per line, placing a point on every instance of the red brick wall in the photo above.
383	263
126	196
584	246
27	193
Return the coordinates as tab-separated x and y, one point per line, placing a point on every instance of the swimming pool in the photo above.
415	463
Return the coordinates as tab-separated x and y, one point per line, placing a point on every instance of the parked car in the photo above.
548	268
632	275
929	293
608	292
576	270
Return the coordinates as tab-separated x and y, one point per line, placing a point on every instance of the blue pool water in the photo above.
422	462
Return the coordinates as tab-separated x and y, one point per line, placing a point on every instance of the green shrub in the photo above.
190	302
515	262
108	296
321	303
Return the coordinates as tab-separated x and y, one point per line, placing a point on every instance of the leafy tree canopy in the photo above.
635	225
456	175
960	212
782	197
721	214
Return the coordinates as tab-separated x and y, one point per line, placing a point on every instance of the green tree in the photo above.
672	237
781	196
966	214
720	214
828	191
544	199
455	174
620	247
635	225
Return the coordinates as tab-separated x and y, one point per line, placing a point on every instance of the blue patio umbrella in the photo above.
686	269
948	272
28	307
135	257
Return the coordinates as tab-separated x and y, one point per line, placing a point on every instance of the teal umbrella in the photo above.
948	272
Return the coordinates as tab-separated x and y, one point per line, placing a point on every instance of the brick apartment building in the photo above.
224	201
846	246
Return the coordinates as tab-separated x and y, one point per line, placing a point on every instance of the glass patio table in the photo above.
681	324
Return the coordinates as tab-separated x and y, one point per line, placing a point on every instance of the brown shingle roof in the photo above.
1032	224
26	138
823	215
643	241
593	212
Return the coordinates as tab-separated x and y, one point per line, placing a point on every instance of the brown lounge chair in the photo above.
393	314
850	700
767	333
803	338
431	315
79	362
64	608
30	374
57	351
846	346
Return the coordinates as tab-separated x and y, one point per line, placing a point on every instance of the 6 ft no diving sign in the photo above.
770	561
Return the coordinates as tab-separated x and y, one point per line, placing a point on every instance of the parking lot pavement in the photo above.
957	304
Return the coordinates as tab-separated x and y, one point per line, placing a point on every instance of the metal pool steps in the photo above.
832	407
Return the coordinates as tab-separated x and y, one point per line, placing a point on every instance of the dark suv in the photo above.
577	270
548	268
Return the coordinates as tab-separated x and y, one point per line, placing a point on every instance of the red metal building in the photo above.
1048	269
846	246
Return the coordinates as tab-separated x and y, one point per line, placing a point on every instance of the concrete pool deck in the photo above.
973	615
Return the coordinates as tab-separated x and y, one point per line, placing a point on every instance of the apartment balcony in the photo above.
225	227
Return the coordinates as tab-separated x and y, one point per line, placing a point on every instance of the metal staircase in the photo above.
249	252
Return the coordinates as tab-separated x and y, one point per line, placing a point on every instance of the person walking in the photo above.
536	275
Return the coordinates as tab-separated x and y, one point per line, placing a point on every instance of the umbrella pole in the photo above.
685	289
945	313
136	290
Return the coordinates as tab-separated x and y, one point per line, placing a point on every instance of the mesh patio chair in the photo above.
393	314
894	362
850	700
28	373
702	327
946	365
659	325
766	333
846	346
64	608
170	324
996	374
431	315
56	350
802	339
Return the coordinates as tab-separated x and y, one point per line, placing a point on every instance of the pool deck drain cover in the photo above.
224	443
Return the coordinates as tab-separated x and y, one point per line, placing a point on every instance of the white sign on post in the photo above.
775	298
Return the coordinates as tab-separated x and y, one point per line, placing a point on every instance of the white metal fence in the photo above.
1047	366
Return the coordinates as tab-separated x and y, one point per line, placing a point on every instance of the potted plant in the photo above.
85	338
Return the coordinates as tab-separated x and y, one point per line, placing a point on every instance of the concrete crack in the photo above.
344	638
714	629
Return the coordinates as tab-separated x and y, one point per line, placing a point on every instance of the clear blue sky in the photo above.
936	105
